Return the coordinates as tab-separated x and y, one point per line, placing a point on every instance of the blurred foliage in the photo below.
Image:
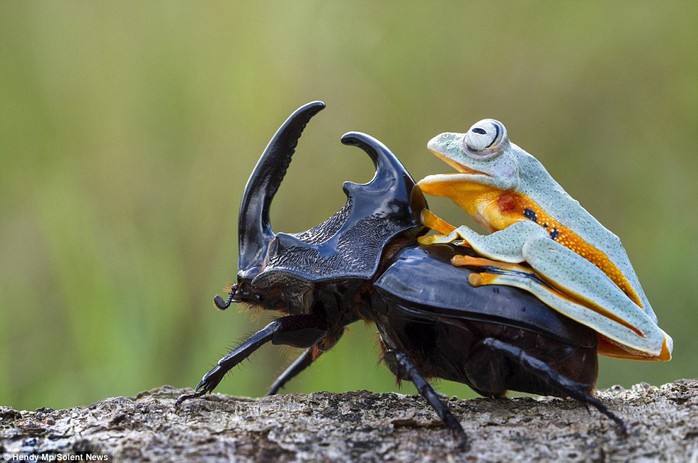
128	130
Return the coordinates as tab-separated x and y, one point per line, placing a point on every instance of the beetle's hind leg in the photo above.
540	369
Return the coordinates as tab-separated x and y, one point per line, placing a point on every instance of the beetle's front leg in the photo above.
293	330
303	361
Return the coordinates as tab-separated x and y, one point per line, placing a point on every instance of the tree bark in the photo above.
358	426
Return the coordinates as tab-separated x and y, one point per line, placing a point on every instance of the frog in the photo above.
540	239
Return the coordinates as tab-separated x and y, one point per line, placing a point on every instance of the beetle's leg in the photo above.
294	330
304	361
539	368
408	368
301	363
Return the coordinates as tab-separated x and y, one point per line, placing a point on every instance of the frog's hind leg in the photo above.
567	282
611	327
583	282
494	266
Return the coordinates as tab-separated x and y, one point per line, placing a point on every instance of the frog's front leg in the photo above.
504	245
446	231
433	221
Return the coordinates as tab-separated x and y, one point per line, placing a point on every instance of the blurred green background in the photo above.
128	130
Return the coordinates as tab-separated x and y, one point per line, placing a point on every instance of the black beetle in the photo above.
364	262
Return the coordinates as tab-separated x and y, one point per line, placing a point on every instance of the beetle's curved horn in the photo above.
255	232
391	178
351	243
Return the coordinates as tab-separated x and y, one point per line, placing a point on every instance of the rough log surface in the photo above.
357	426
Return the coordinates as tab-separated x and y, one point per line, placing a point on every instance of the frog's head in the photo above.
482	155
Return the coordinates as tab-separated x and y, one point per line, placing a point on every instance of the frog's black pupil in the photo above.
480	131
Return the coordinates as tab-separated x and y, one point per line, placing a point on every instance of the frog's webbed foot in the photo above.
492	272
447	233
451	238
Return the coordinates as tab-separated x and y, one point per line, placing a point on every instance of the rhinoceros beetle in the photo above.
364	263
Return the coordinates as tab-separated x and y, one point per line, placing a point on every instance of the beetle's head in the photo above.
284	271
254	228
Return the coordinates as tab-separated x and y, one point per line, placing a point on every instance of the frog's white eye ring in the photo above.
484	137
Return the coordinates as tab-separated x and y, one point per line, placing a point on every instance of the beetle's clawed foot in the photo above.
621	427
183	397
456	428
206	385
588	400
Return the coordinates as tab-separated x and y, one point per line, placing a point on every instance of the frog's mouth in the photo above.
458	166
440	184
433	184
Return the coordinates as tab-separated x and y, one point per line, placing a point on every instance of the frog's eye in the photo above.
484	136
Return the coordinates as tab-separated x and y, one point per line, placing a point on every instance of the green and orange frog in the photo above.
542	240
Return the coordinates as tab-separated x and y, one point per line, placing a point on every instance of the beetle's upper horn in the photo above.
255	232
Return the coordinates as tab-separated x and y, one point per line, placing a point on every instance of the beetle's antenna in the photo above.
224	304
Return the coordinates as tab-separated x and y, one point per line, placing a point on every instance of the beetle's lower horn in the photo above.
255	232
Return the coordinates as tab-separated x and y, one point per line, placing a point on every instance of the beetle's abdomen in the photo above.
459	350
